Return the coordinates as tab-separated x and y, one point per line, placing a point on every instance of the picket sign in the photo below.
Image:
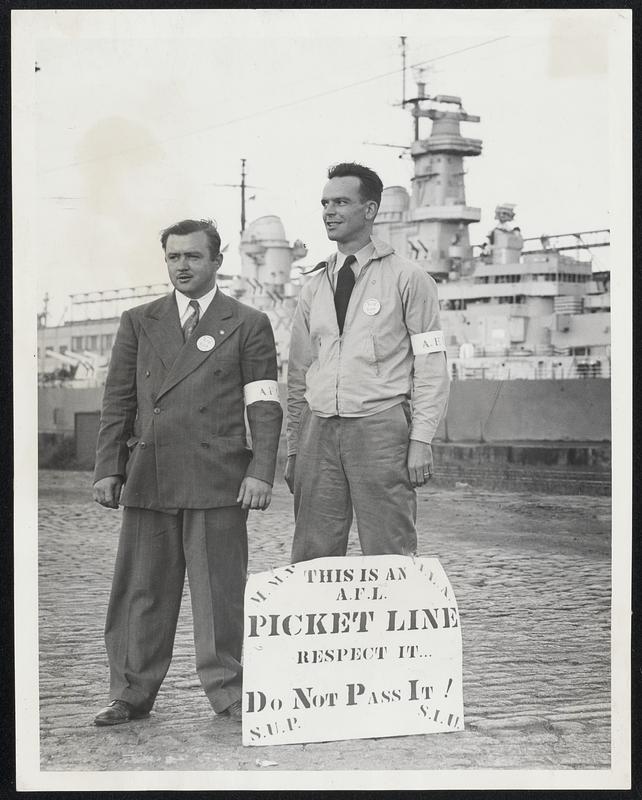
351	648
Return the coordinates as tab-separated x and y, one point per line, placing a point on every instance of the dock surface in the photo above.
532	576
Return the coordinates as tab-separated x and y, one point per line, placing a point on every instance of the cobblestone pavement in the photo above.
531	573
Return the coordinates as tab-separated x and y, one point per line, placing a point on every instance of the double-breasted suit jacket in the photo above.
173	421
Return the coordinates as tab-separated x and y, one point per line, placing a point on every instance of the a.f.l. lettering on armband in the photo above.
261	390
428	342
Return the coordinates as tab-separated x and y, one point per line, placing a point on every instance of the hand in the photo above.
107	491
254	494
290	467
419	462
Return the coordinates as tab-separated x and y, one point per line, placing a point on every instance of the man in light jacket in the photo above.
367	383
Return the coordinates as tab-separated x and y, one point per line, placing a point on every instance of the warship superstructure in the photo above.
511	308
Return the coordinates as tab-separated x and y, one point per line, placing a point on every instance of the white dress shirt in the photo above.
363	256
183	301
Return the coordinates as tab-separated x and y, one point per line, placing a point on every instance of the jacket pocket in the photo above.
131	452
405	407
375	359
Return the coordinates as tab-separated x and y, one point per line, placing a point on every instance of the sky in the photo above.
137	115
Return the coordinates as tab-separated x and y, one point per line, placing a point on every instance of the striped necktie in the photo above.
345	284
192	320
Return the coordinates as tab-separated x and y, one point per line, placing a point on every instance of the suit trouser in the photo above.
153	552
360	462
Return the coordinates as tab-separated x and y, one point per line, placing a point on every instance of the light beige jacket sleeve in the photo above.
430	380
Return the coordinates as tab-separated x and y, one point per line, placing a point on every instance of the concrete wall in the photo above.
86	436
57	407
490	411
528	411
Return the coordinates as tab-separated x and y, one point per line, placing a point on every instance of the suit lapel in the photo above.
218	322
162	326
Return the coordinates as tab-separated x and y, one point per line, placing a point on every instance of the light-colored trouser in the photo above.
358	462
153	552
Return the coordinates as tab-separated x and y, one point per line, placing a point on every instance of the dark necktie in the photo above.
345	284
192	321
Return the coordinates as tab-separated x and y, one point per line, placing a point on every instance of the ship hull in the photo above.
528	411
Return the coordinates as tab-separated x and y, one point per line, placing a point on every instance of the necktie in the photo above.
192	320
345	284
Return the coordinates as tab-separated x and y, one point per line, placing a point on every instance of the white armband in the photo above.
261	390
428	342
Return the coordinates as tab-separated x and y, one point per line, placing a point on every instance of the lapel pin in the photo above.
205	343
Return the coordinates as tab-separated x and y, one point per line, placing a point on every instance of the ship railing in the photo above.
552	368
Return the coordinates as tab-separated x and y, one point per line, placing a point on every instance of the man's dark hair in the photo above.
371	185
187	226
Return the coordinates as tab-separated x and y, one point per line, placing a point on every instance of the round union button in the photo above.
371	307
205	343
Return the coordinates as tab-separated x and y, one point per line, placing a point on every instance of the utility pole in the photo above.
242	195
242	186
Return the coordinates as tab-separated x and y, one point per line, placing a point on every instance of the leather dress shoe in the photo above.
235	711
118	712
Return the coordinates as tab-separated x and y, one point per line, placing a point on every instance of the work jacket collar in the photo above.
381	249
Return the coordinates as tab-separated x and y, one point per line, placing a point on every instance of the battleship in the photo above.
526	320
511	308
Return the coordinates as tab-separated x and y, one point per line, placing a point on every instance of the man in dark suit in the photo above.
185	372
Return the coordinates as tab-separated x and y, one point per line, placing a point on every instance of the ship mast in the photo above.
438	202
403	69
431	226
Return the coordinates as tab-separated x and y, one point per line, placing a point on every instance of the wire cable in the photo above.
269	110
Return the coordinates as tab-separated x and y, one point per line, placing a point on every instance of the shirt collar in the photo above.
363	256
183	301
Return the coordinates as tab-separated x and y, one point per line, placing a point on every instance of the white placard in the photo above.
351	648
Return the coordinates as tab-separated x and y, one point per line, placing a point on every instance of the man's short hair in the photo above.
186	226
371	184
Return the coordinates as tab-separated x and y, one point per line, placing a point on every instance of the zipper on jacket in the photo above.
336	377
357	279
